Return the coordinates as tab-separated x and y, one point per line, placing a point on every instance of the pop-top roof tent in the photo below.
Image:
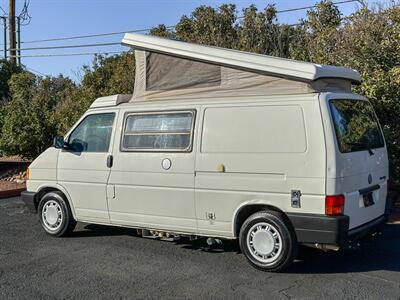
169	69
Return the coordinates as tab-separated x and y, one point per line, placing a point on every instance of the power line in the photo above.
90	35
168	27
308	7
68	46
36	72
118	43
72	54
24	14
4	12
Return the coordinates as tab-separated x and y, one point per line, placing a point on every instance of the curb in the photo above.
11	193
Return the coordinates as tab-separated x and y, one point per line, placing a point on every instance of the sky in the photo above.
62	18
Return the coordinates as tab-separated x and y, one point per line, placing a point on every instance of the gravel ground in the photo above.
109	263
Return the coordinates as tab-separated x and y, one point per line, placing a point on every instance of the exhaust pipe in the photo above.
212	241
326	247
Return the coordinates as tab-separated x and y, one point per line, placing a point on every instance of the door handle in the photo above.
110	159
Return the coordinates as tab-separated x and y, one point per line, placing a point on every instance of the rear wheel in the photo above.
267	241
55	215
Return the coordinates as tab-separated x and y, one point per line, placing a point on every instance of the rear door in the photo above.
361	163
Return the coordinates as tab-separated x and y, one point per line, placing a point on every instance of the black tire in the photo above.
281	241
56	203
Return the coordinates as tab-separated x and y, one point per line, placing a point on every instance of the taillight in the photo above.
27	174
334	205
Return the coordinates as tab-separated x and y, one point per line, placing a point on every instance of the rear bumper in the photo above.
29	200
368	228
321	229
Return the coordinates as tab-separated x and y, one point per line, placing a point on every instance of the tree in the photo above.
316	37
7	69
209	26
106	76
109	75
162	31
369	42
17	126
29	123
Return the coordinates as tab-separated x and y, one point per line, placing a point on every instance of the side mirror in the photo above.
76	146
58	142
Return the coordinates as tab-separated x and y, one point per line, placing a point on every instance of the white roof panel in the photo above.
238	59
110	100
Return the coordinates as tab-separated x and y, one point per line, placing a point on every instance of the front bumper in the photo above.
321	229
29	199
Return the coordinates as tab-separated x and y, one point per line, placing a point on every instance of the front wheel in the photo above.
267	241
55	215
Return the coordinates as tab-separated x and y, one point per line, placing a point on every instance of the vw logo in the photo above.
369	178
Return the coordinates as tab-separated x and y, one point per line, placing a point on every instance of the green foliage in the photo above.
107	76
258	32
7	69
369	41
317	36
209	26
162	31
29	123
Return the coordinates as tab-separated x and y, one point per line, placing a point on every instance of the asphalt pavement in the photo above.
98	262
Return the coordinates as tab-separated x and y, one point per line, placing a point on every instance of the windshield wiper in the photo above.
370	151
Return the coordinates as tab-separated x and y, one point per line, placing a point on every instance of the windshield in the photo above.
356	126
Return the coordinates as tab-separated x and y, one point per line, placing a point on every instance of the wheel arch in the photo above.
247	209
42	190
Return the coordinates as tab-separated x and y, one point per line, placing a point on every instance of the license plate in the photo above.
368	199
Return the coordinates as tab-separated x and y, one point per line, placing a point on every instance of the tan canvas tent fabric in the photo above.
167	69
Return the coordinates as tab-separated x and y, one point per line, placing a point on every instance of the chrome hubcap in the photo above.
52	215
264	242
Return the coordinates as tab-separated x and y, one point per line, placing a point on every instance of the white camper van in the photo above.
221	144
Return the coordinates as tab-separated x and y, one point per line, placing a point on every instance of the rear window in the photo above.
356	126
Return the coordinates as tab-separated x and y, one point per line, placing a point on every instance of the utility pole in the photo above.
5	37
19	39
11	18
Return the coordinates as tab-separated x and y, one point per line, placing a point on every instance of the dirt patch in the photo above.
13	172
11	189
6	186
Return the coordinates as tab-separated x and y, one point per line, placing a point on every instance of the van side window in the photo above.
167	131
93	134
